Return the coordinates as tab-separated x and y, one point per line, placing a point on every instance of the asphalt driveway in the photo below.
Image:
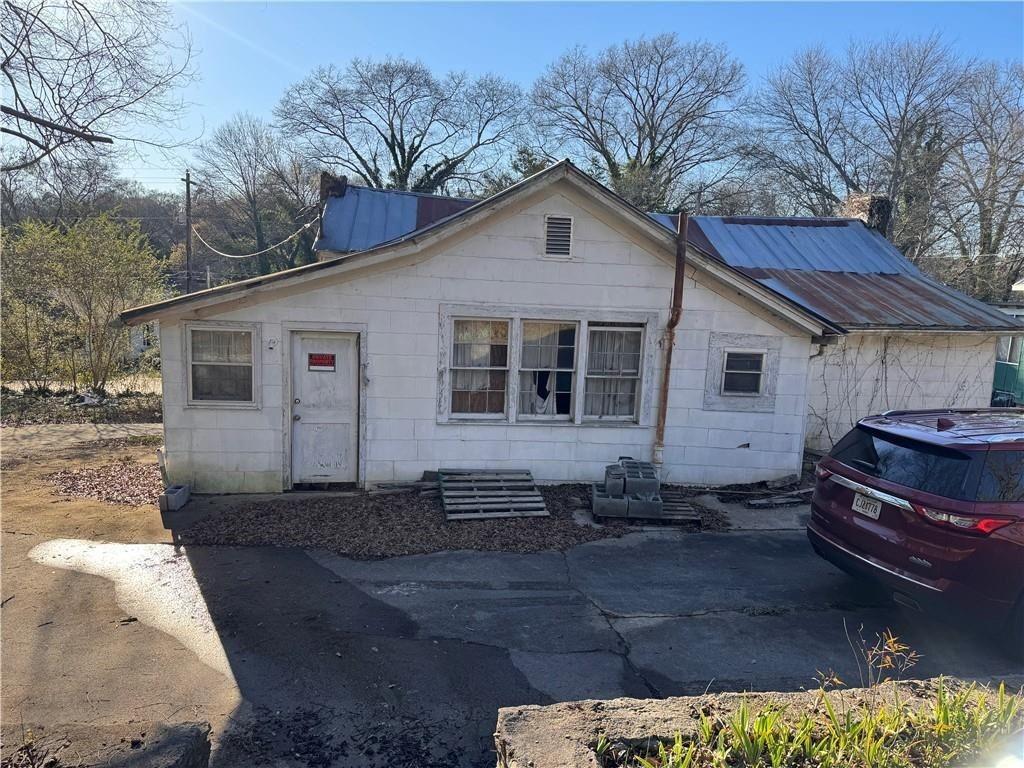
307	658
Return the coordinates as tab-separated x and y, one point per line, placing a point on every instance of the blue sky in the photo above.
248	53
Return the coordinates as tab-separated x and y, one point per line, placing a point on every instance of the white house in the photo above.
527	331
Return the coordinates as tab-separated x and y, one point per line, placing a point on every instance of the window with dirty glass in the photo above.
613	373
742	373
221	365
1008	349
479	367
546	369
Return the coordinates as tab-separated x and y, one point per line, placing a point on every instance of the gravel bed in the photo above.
369	526
123	482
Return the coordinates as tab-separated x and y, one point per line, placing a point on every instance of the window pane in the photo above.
481	331
610	397
1003	477
480	344
1003	348
614	352
209	346
545	393
231	383
548	345
743	361
478	391
745	383
915	465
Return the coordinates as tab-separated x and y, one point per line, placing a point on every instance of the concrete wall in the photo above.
867	373
500	264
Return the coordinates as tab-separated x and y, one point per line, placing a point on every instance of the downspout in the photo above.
669	341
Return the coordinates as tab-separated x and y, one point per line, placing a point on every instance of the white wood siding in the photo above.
228	451
867	373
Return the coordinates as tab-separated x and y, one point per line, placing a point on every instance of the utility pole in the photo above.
188	231
209	282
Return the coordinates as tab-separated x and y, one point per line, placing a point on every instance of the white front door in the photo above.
325	407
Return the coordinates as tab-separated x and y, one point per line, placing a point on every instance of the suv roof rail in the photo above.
1010	409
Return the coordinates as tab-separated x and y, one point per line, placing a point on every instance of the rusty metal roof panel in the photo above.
860	300
841	270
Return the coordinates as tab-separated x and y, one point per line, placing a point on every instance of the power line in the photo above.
293	235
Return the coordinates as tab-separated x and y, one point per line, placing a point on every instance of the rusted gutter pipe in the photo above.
669	341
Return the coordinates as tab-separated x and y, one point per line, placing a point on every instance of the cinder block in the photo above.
174	498
615	479
641	478
644	506
605	505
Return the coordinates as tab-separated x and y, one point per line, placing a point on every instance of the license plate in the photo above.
867	507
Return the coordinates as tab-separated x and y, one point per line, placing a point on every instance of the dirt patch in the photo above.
371	526
123	482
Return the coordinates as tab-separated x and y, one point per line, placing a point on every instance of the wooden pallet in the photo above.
473	494
677	510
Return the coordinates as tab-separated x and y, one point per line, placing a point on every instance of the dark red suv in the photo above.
931	504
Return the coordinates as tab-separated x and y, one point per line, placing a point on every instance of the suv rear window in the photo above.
920	466
1002	479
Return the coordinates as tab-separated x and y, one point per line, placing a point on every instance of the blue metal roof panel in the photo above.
364	218
821	245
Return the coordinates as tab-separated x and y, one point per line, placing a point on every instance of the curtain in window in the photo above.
613	372
546	368
479	363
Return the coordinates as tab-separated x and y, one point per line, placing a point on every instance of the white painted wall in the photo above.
867	373
231	450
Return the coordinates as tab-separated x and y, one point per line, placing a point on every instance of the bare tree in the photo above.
645	114
983	198
396	125
880	120
76	69
253	191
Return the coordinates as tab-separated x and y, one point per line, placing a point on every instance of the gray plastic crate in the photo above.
645	506
605	504
614	479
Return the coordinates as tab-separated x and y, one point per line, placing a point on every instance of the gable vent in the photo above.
558	236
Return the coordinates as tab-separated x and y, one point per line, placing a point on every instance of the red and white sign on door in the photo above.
321	361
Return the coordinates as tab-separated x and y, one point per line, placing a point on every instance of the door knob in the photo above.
297	401
296	417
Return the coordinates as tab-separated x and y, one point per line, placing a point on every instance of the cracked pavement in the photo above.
406	661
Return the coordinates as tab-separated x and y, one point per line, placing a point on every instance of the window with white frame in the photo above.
547	368
742	372
479	368
220	365
613	372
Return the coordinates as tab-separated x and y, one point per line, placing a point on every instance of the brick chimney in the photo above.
873	210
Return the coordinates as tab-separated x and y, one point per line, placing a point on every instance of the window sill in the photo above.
545	423
219	404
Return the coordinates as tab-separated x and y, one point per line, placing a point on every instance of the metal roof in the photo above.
873	300
841	270
838	269
364	218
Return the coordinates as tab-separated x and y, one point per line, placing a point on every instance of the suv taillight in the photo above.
964	523
821	473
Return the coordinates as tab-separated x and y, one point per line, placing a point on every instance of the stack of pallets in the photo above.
470	494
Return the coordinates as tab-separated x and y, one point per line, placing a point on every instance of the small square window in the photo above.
221	366
742	373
